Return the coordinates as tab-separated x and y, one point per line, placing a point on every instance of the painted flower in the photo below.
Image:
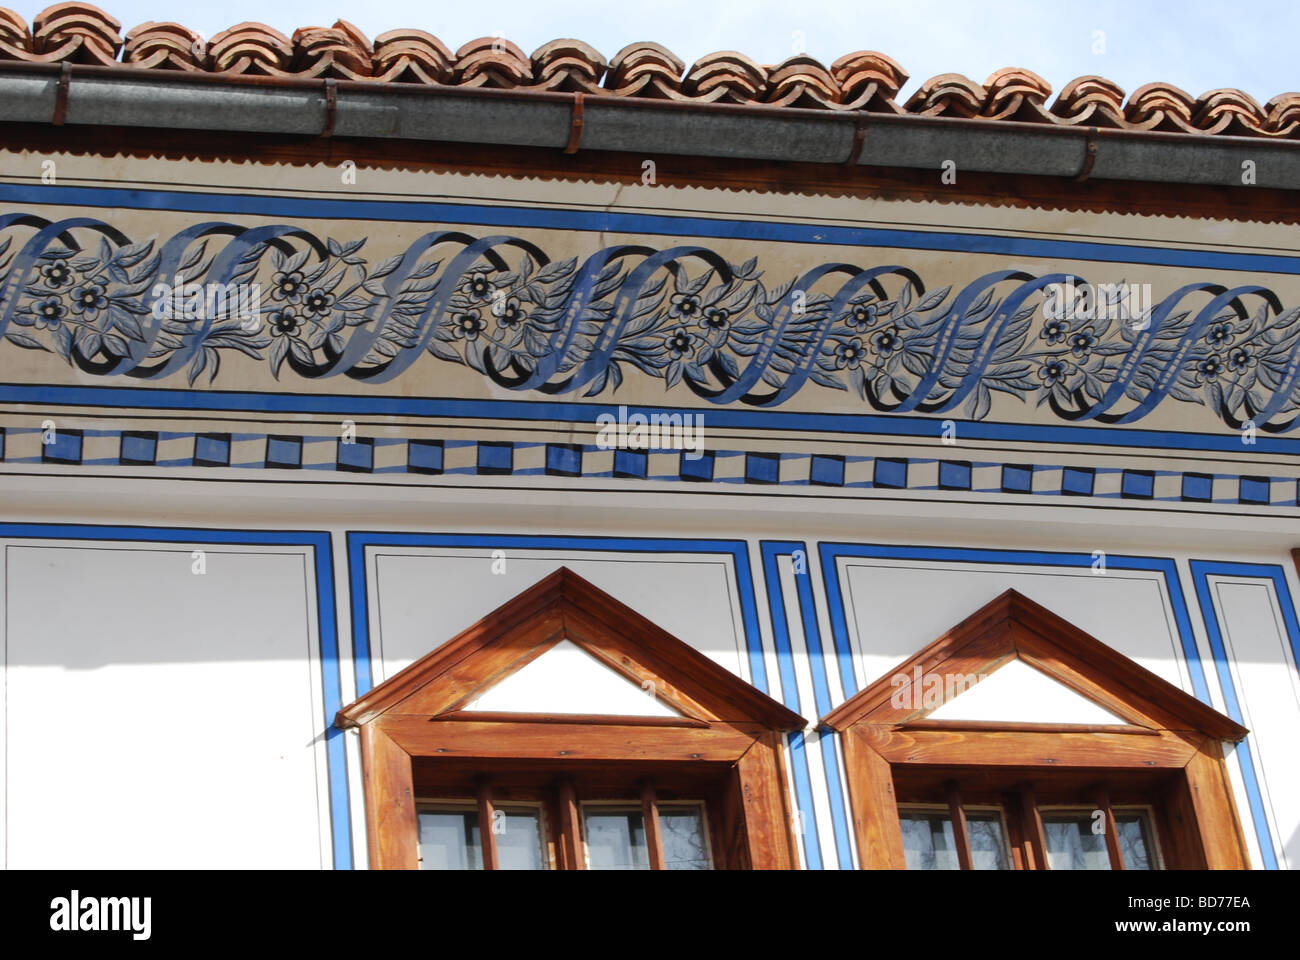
288	286
1240	359
886	343
318	303
1220	334
468	325
849	354
1208	369
509	313
49	313
56	274
1055	331
685	306
861	317
478	287
1055	371
679	343
89	298
1081	343
285	322
715	319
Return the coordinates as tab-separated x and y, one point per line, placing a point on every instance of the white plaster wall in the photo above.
155	718
896	607
422	597
1264	675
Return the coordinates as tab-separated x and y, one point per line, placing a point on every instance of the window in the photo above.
1016	741
488	754
930	841
645	832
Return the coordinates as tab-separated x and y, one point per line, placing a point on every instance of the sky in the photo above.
1198	45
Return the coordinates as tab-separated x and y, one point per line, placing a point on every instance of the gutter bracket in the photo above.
859	139
575	125
331	106
61	96
1090	157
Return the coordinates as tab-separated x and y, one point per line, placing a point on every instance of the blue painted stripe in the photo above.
575	412
331	678
817	670
1201	572
606	221
790	696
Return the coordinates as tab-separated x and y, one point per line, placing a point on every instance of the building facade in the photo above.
556	462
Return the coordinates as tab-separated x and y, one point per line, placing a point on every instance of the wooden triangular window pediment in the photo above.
562	677
1047	708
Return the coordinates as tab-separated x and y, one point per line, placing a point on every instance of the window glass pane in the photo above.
928	841
519	838
449	840
988	848
615	839
682	831
1135	841
1071	844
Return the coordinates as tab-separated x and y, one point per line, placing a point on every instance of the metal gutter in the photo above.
128	97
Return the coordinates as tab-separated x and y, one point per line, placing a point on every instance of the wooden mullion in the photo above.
569	828
1032	824
1111	831
959	830
1021	859
486	812
653	837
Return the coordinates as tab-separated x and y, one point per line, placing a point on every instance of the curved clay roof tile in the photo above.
645	69
1161	106
1228	111
869	79
725	75
165	46
15	38
76	32
801	81
413	56
568	65
1091	100
1283	115
1017	94
492	62
329	52
251	48
948	95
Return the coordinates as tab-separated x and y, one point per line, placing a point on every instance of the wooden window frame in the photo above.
1166	738
724	727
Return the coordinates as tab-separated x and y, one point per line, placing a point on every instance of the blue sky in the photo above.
1198	45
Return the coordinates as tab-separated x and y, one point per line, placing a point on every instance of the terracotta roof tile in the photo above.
165	46
1090	100
861	81
413	56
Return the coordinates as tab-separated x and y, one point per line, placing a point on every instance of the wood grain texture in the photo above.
392	828
572	855
766	814
420	736
1031	826
875	809
1023	749
1217	824
650	817
958	817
